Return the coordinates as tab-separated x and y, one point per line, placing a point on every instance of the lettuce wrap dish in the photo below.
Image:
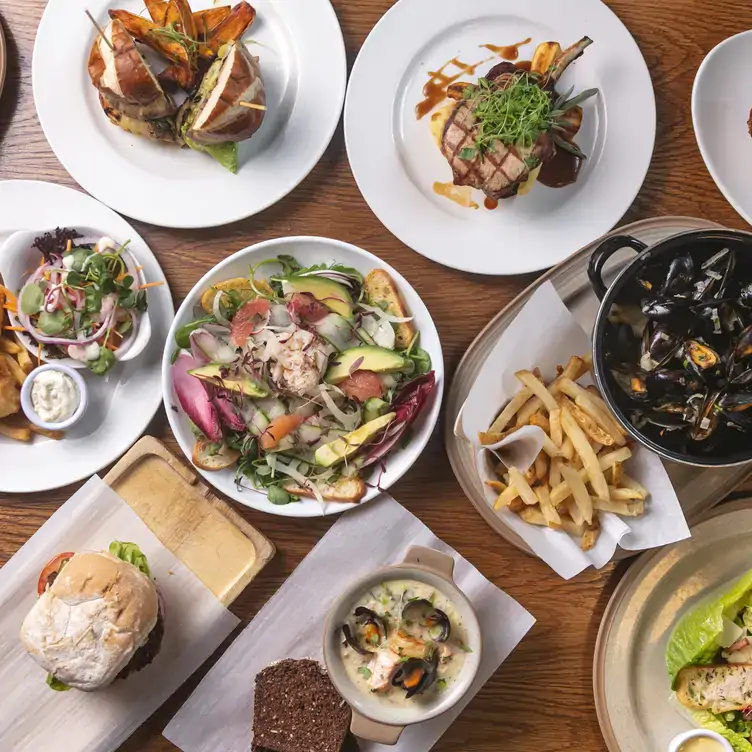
709	661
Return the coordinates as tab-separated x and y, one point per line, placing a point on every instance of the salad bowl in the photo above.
233	478
18	260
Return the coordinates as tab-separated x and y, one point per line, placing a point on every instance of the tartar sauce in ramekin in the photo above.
54	396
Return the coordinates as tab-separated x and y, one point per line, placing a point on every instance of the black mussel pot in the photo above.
672	344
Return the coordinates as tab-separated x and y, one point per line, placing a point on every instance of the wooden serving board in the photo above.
223	550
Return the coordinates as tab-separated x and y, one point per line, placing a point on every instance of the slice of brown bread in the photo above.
297	709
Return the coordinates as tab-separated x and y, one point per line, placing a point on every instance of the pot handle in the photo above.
603	253
432	560
365	728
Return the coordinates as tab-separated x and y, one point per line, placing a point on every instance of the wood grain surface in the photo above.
541	698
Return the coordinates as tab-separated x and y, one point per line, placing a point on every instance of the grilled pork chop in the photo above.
501	168
718	689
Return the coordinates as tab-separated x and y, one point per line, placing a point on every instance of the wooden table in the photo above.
541	698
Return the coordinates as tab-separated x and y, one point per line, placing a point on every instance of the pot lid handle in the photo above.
432	560
372	731
603	253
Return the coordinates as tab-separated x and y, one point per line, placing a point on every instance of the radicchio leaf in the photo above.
54	244
408	404
194	398
228	411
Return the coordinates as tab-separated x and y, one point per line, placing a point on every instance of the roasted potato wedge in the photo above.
178	74
157	10
544	56
205	21
233	27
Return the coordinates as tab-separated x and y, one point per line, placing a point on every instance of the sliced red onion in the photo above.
41	337
130	336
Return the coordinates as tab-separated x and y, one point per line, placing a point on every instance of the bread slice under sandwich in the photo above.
381	291
345	489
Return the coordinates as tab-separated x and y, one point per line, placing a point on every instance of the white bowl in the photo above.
677	741
17	257
308	251
721	101
376	720
28	407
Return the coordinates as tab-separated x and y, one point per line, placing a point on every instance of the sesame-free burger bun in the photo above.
86	627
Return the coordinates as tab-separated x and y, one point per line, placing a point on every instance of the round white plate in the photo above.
308	251
121	403
396	161
302	56
721	102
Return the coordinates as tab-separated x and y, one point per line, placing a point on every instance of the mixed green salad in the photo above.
301	378
709	661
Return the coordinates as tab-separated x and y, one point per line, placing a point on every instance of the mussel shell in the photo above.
745	295
666	381
352	642
735	402
680	275
707	420
375	629
743	346
436	620
703	356
416	675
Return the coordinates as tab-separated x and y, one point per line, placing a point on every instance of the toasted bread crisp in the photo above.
241	285
350	490
380	288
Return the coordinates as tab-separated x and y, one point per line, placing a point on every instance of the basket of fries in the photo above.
581	487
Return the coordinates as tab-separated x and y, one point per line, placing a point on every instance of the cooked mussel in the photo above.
701	355
666	381
422	616
416	675
680	275
735	402
371	635
743	347
658	346
707	420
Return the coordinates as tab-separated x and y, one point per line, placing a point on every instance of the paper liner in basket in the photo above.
545	334
34	717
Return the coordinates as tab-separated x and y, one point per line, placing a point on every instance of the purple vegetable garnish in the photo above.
194	399
408	404
228	411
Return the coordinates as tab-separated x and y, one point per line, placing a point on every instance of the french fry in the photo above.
530	408
590	536
496	485
617	473
530	475
533	516
550	448
19	434
595	395
567	449
56	435
614	458
571	527
506	497
549	512
517	505
16	371
540	420
541	466
523	487
574	512
554	419
510	410
488	437
585	451
622	508
624	494
554	472
589	425
24	360
579	492
538	388
628	482
586	401
7	345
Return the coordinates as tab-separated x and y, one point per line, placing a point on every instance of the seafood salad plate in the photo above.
86	309
302	376
189	114
480	126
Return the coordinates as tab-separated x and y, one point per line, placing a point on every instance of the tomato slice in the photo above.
52	570
246	320
362	385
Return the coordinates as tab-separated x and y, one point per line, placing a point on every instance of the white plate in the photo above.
721	102
121	403
302	54
308	251
395	160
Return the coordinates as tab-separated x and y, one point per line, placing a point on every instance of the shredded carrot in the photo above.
10	308
68	246
110	346
9	295
150	284
14	329
120	277
139	268
39	354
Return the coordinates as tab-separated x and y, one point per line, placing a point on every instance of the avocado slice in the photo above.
241	383
333	295
347	445
365	358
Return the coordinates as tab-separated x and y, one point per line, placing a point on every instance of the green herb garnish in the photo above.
365	672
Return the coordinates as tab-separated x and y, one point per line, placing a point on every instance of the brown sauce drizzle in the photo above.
562	170
510	51
490	203
435	90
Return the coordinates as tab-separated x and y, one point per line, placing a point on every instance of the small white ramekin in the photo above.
677	741
28	407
